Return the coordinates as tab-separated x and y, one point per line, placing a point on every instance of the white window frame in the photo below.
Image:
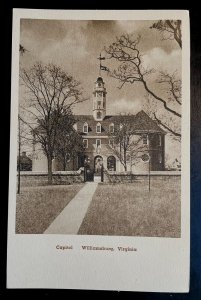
85	124
111	126
97	143
98	125
85	140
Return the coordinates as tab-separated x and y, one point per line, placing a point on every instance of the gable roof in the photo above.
141	123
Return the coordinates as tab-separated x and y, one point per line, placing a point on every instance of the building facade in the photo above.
98	132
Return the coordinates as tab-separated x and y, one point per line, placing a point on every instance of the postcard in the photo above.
99	187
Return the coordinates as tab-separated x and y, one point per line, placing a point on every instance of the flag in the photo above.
101	57
103	68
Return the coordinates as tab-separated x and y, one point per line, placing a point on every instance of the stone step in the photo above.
97	178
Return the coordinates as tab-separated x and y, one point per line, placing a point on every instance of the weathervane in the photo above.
103	68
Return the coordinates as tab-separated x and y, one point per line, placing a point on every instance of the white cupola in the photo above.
99	100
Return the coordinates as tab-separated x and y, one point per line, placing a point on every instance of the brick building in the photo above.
96	130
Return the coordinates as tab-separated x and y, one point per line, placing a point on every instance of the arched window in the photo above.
85	128
111	163
98	128
98	115
111	128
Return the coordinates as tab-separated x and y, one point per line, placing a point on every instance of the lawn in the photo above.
37	207
130	210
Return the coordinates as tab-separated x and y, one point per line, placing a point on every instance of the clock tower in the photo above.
99	100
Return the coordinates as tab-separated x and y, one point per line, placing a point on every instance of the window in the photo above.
85	128
111	163
111	143
98	115
111	128
159	140
85	143
144	139
75	126
99	104
98	143
98	128
160	158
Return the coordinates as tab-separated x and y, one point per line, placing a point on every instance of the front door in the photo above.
98	162
89	173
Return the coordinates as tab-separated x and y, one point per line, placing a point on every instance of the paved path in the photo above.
71	217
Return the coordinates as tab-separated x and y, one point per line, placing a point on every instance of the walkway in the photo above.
71	217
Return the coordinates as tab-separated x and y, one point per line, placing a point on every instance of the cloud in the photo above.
124	105
133	26
159	59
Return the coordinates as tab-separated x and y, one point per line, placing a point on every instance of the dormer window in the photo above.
111	128
98	128
85	128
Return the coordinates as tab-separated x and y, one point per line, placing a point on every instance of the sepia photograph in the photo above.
99	127
99	182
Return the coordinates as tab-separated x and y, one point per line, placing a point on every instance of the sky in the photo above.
76	45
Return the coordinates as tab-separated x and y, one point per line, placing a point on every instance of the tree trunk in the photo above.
49	162
125	162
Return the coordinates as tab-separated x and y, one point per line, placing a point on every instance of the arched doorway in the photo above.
111	163
98	163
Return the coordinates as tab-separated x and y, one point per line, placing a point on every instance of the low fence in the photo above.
116	177
59	177
30	178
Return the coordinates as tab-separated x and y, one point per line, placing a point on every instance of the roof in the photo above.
141	123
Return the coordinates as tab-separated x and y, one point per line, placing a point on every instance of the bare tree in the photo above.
51	93
68	143
126	145
125	50
170	30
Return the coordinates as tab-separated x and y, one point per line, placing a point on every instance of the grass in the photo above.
130	210
37	207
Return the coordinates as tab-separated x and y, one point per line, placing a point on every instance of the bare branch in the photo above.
52	93
167	127
131	70
172	27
